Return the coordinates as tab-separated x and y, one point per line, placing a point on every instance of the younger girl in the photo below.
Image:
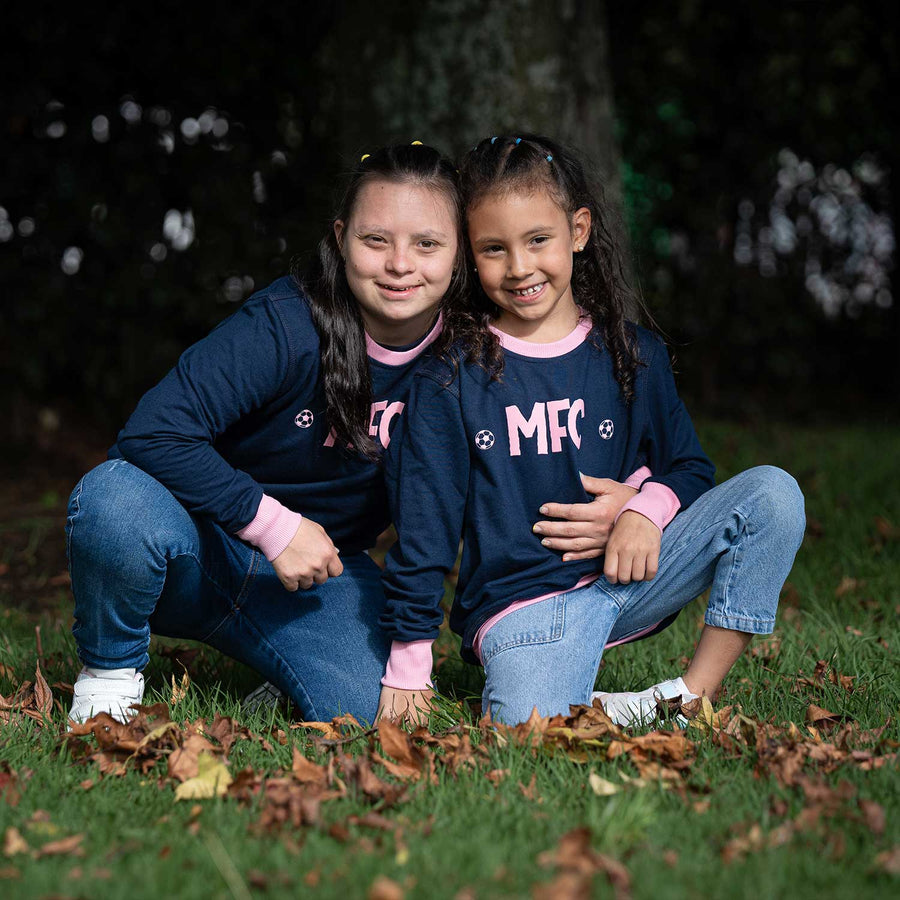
546	379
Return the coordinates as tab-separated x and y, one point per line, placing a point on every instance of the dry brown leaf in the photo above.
873	815
384	888
14	843
43	696
70	845
889	860
179	689
183	762
575	856
306	771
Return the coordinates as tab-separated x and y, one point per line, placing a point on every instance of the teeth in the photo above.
524	292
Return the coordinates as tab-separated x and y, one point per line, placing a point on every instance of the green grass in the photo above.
467	833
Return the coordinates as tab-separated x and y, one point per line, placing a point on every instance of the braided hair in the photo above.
335	311
502	165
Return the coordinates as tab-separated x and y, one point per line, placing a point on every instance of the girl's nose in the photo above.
517	265
400	261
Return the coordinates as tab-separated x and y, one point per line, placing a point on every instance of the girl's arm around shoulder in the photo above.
427	469
682	471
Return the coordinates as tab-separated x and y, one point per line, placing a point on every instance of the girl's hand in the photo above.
309	558
632	553
584	531
395	703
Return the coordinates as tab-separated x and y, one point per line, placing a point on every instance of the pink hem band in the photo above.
272	528
656	501
409	666
545	351
400	357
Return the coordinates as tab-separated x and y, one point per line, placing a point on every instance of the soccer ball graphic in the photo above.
606	429
484	440
304	418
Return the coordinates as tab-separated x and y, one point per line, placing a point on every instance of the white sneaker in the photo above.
111	691
639	707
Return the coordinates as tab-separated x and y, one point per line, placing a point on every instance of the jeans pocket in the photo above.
540	623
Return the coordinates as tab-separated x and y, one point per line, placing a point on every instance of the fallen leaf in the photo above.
601	787
183	762
43	696
873	815
14	843
889	860
847	586
212	780
179	689
384	888
306	771
63	847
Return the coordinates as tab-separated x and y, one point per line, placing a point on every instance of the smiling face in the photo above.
399	246
523	245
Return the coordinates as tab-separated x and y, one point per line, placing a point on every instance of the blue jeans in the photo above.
739	538
140	562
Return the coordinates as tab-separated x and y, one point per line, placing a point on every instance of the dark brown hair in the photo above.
526	163
335	312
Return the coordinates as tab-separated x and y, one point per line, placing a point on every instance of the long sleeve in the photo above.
673	449
237	369
427	473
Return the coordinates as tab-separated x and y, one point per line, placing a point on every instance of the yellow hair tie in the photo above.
416	144
364	157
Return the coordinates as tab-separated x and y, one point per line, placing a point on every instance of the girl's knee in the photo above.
116	504
778	501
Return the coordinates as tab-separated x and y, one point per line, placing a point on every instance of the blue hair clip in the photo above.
549	158
494	138
518	141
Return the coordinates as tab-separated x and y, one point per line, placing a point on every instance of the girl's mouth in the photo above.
532	292
398	290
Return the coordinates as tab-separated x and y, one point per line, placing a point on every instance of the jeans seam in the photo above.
734	569
263	640
557	629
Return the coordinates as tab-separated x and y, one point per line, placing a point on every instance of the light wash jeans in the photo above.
739	538
140	562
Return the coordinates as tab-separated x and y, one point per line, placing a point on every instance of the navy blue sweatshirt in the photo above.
242	414
476	458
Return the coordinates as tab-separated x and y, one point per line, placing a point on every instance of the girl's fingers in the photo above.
638	568
574	544
574	512
584	554
611	566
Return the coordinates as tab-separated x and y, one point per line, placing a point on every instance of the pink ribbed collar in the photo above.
401	357
545	351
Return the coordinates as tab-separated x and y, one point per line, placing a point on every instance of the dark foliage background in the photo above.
160	163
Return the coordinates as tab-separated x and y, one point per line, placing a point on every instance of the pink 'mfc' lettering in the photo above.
544	420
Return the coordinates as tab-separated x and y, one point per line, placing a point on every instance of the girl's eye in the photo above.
492	249
428	245
540	239
373	239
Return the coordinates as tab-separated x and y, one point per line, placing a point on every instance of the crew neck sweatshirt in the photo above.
476	458
238	429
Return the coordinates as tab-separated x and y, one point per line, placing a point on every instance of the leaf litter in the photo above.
386	765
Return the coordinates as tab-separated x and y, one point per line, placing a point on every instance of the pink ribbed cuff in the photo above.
638	477
655	501
272	528
409	666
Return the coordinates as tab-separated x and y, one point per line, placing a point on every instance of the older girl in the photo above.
240	497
